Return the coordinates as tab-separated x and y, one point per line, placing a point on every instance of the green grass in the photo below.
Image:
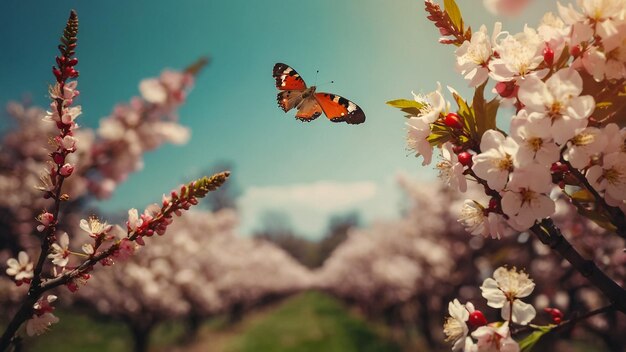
310	322
78	332
307	322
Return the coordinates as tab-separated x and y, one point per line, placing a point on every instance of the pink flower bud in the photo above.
57	74
66	170
548	55
72	286
46	219
557	315
506	89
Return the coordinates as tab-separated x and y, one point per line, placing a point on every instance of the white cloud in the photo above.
309	206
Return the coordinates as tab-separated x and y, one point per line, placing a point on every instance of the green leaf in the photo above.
455	14
529	341
438	135
485	112
466	112
411	107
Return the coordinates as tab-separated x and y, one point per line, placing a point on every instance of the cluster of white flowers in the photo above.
503	291
554	76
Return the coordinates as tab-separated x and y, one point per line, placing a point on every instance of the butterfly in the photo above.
295	94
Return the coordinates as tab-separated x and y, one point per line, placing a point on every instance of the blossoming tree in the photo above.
202	268
565	84
79	164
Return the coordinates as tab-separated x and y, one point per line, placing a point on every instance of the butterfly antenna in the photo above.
317	72
325	83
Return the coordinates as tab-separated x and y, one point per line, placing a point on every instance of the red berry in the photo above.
575	51
465	158
493	204
453	120
477	319
457	149
548	55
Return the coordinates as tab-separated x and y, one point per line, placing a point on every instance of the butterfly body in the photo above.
309	103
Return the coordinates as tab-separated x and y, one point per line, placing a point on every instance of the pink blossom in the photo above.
46	219
66	170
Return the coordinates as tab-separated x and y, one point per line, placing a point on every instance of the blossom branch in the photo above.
551	236
188	196
444	23
63	116
616	215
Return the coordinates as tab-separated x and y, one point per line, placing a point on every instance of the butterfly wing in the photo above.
309	109
340	109
287	78
288	99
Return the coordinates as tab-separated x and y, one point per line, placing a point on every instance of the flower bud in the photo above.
548	55
575	51
557	315
505	89
453	120
66	170
493	204
57	74
72	286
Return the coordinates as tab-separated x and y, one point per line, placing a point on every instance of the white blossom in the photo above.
451	170
534	139
455	327
495	162
60	254
526	197
504	291
558	99
21	268
583	146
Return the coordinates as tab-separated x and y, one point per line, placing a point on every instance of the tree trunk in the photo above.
141	335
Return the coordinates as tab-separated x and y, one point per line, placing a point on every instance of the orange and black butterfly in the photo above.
310	104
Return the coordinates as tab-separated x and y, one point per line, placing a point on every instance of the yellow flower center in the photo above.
555	111
453	329
505	164
583	139
535	144
612	175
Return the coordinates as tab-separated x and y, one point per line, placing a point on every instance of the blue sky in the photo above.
374	50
